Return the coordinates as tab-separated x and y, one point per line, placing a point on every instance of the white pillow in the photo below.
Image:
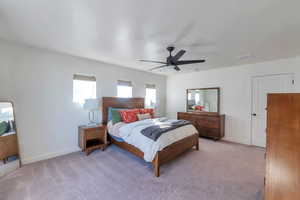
144	116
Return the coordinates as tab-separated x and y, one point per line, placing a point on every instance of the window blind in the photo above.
84	78
124	83
150	86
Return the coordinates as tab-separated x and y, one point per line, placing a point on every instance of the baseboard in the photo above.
48	155
235	141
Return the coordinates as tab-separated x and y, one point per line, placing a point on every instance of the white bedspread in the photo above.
113	129
131	133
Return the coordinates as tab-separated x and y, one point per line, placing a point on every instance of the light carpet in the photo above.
218	171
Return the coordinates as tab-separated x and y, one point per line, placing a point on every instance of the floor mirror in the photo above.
9	149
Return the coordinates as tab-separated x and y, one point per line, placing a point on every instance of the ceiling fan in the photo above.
173	60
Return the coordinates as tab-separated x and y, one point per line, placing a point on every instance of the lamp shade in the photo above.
91	104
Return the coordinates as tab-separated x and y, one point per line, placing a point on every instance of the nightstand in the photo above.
92	137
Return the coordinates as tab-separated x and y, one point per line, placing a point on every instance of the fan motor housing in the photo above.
170	48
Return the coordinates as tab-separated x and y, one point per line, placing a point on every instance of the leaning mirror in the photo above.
203	100
9	151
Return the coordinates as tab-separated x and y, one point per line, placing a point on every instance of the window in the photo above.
6	111
84	87
124	89
150	99
189	96
197	98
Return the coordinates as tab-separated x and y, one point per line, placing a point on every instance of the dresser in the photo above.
209	125
283	147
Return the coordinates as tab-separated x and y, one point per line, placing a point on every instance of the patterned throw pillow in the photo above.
147	110
129	116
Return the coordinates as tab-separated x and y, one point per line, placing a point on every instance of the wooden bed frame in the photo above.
168	153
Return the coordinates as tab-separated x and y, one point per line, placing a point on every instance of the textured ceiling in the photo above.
226	33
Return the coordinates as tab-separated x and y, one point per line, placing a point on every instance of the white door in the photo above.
261	86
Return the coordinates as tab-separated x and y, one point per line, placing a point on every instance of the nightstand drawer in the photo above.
95	129
93	134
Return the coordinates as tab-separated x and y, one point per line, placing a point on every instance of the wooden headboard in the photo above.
116	102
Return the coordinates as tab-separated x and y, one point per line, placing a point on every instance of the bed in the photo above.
169	152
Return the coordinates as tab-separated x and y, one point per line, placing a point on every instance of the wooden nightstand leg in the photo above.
104	147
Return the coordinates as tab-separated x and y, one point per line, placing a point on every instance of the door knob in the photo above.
253	114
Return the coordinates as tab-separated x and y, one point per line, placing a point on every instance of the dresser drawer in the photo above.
208	123
183	116
207	118
209	132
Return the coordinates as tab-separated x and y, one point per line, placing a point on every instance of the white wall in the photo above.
235	84
6	57
40	83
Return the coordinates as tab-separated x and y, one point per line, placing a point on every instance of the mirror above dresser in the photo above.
203	100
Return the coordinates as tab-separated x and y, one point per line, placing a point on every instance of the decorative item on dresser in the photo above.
92	137
283	147
209	125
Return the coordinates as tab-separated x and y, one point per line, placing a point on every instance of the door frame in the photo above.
252	90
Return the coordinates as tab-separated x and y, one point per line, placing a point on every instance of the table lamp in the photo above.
91	105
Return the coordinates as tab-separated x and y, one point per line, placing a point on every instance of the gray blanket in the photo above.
154	132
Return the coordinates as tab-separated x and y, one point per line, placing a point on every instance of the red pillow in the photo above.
147	110
199	108
129	116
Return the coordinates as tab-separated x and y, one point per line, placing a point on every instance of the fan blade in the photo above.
178	55
185	62
152	61
177	68
155	68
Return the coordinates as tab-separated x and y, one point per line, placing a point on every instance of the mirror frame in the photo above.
212	88
14	113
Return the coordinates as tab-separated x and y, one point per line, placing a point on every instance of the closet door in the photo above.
283	147
261	86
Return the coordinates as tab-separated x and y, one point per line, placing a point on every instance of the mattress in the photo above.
113	130
118	139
